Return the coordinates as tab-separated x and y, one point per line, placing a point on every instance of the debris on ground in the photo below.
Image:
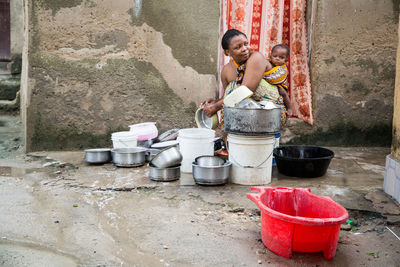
345	227
383	203
393	219
236	210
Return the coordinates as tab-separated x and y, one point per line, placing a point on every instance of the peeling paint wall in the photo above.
352	70
98	66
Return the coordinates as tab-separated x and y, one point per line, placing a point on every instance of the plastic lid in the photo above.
196	133
123	134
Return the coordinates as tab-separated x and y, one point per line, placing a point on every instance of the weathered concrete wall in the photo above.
17	26
352	72
396	112
97	66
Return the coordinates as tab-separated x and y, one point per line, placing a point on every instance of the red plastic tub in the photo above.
293	219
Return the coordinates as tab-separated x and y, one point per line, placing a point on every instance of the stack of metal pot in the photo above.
251	128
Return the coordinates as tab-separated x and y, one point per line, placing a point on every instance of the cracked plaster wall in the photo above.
97	66
353	61
352	72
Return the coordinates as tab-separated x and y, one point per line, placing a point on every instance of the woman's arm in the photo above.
255	68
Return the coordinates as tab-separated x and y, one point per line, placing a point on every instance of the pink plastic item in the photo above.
293	219
145	131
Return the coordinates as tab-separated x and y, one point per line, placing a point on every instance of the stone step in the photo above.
10	106
9	86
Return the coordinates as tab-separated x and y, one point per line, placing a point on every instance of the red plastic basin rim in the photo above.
297	219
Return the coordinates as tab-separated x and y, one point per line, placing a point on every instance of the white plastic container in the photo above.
251	158
145	131
195	142
124	139
237	95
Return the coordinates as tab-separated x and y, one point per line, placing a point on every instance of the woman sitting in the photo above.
246	68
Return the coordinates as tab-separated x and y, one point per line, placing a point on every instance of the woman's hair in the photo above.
229	34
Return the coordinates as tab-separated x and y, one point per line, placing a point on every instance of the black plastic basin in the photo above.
303	161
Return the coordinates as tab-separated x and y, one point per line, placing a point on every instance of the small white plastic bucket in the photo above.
251	158
193	143
124	139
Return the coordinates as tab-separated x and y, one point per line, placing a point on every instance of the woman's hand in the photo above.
212	107
208	101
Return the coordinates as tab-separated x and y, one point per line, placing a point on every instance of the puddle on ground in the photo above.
20	255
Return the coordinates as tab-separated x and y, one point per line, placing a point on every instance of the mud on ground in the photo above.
57	207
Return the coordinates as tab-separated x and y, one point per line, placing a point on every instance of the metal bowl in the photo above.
168	157
129	157
165	174
98	155
203	121
146	143
248	103
151	153
209	161
217	175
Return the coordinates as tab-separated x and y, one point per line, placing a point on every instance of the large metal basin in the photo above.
252	121
129	157
214	175
97	155
165	174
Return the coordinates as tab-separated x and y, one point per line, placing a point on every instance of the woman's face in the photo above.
239	49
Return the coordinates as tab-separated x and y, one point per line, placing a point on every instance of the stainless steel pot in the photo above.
165	174
151	153
209	161
216	175
168	157
98	155
129	157
247	121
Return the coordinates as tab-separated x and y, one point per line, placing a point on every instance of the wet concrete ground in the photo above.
56	210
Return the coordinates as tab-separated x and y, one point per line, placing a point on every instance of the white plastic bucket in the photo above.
195	142
251	158
124	139
277	138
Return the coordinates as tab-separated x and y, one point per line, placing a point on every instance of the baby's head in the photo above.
279	54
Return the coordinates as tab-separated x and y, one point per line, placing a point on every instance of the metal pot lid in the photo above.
165	144
98	150
129	150
168	135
